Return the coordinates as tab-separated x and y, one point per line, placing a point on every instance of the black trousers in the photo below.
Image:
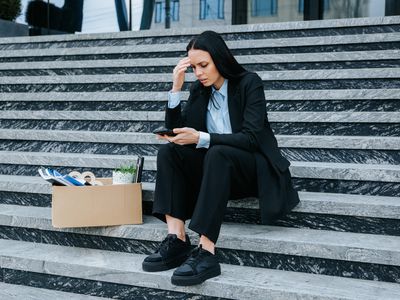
196	184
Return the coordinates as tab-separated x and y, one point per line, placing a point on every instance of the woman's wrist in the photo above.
175	89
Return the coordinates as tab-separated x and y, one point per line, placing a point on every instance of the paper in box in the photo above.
106	205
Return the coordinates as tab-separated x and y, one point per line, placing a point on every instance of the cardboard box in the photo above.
106	205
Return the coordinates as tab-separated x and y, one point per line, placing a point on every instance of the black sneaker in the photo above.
200	266
171	253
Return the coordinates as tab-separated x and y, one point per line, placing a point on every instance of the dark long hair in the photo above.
224	61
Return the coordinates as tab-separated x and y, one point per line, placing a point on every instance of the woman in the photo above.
224	149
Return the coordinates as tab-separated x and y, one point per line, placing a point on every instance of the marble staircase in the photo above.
90	102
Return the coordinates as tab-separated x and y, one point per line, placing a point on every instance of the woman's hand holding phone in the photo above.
183	136
179	74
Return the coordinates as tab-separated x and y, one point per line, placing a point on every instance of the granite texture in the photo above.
135	116
182	37
343	156
139	55
374	46
364	172
297	128
81	125
292	75
170	45
382	105
311	105
247	242
32	170
255	67
98	105
18	291
289	141
353	187
316	221
87	87
119	53
342	94
295	263
314	184
141	87
342	58
301	169
93	71
79	147
336	129
361	24
95	288
129	96
322	84
293	154
123	54
335	219
245	237
25	199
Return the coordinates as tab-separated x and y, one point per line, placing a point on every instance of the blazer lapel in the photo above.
201	107
235	113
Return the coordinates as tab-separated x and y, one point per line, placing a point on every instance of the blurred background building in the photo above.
88	16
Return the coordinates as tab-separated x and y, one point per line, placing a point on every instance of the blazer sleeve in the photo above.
252	92
176	117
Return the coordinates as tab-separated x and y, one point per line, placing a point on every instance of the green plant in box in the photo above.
131	169
124	174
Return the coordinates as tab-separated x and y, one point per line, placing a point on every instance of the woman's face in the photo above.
204	68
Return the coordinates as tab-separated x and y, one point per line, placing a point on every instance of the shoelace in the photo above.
165	244
195	256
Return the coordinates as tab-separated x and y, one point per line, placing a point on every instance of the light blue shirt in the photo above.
218	120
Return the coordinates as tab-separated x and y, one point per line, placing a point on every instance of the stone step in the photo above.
103	65
274	80
382	105
305	75
270	95
322	211
239	47
236	282
337	171
312	148
297	28
377	249
237	242
313	203
284	141
319	117
18	292
354	178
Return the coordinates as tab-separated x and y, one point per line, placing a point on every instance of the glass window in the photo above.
221	9
211	9
264	8
326	4
175	10
301	6
159	10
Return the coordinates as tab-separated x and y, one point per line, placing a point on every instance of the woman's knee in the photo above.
165	150
217	152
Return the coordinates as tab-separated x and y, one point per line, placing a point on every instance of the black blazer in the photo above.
250	131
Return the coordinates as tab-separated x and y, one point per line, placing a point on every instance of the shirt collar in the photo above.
223	89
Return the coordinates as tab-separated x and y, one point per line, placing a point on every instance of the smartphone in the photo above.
164	131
